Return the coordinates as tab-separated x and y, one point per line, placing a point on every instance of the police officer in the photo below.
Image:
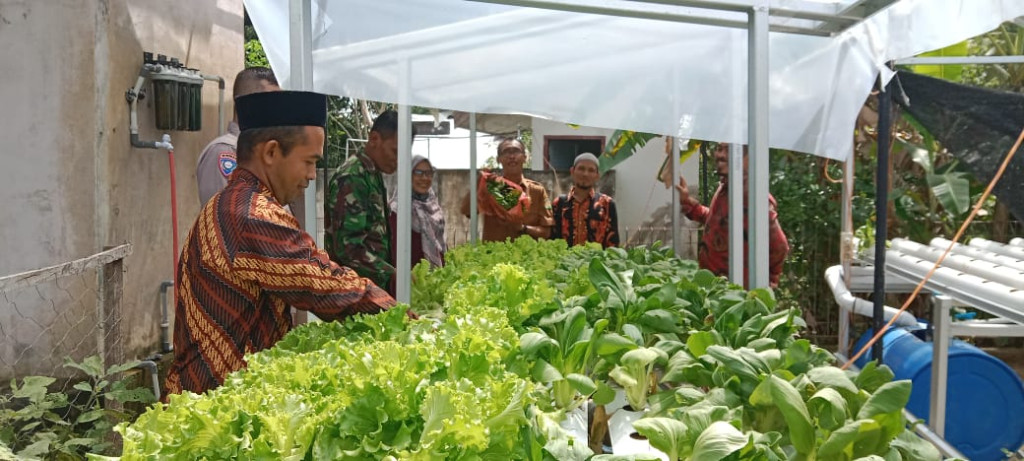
219	159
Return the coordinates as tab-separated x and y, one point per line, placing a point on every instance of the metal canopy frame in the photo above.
758	17
794	17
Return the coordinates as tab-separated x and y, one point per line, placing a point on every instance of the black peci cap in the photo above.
281	108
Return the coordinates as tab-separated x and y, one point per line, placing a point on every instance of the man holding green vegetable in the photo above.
534	219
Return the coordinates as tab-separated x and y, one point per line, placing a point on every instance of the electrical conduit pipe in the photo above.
848	302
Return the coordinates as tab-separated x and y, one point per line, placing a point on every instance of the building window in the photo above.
560	151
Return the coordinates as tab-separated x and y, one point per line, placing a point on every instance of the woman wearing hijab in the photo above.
427	216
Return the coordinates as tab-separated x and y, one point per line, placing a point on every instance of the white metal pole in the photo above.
403	266
940	364
736	216
472	179
300	34
846	249
757	217
956	60
300	13
673	159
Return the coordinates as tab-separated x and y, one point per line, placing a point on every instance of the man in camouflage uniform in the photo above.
356	210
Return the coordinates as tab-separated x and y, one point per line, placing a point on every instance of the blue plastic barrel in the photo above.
985	397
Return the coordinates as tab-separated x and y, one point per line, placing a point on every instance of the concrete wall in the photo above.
642	201
71	183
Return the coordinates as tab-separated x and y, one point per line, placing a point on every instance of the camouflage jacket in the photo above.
356	231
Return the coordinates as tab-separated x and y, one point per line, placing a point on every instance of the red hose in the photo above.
174	218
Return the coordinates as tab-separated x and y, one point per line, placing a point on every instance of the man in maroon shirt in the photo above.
713	252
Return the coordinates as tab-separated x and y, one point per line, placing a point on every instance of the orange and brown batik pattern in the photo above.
591	220
244	263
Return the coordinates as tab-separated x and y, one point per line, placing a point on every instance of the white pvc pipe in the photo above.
978	253
989	296
1006	275
996	247
848	302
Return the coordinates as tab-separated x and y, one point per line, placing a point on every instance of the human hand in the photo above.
685	200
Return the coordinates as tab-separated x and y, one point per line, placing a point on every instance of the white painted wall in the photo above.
70	183
638	193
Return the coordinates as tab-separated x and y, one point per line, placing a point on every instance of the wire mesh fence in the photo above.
65	312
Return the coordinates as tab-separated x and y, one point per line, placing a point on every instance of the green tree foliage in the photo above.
347	118
254	54
1005	40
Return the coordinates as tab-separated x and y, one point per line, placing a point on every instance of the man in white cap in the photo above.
584	214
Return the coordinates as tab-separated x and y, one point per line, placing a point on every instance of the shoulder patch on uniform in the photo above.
227	162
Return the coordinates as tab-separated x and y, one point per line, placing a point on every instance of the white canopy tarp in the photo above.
673	78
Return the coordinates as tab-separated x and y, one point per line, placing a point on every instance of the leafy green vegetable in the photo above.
506	195
634	374
717	442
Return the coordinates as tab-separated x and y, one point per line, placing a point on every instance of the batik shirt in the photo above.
713	251
245	261
593	219
356	230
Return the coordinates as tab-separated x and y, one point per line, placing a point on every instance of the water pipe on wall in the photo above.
154	375
188	99
133	95
221	129
165	325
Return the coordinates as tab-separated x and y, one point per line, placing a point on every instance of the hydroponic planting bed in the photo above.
515	337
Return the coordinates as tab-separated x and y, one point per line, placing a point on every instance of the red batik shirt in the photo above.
593	219
713	253
245	261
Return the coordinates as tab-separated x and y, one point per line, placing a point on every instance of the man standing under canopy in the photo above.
356	229
535	220
246	260
713	250
584	214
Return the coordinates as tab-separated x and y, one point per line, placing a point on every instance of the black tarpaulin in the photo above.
978	126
